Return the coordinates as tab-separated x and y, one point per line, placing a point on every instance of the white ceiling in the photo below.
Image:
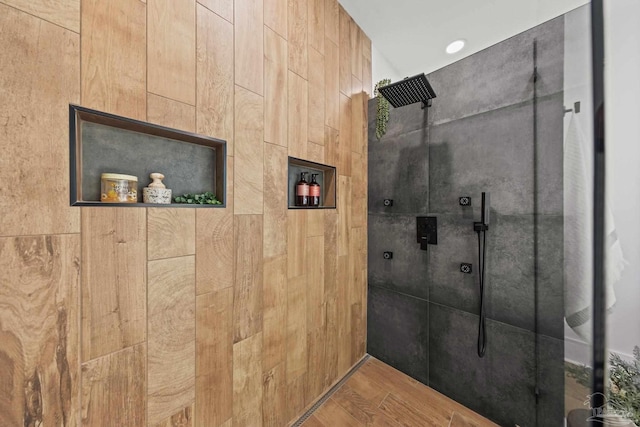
412	34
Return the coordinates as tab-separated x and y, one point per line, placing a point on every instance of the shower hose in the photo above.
482	332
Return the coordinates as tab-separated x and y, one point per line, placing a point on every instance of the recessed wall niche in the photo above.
326	178
104	143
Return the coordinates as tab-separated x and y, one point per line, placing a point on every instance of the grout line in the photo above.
47	20
330	393
383	399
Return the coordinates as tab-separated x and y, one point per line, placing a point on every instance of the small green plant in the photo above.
624	383
382	116
207	198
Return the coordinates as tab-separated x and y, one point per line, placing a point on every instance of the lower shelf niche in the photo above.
105	143
326	178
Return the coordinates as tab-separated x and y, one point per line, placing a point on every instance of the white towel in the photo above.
578	237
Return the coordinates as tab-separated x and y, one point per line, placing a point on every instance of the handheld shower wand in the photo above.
481	228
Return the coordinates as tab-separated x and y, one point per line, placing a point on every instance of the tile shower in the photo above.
489	129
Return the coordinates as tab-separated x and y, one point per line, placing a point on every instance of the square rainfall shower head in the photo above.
409	91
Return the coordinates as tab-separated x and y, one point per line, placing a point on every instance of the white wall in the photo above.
578	87
381	68
622	92
622	96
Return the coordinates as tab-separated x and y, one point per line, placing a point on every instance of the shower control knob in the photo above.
465	268
388	202
465	201
387	255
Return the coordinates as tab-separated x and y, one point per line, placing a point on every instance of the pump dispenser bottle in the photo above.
314	191
302	191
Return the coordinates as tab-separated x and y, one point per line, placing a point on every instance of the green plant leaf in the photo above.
206	198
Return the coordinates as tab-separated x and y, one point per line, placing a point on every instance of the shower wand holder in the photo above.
479	226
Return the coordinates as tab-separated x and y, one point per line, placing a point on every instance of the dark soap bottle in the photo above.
314	191
302	191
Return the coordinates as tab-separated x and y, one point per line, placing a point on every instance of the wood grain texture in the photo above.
356	86
314	384
275	201
358	329
366	65
316	97
331	147
215	260
248	42
417	395
398	410
315	283
33	123
357	291
214	357
171	49
247	296
249	153
330	251
114	57
275	313
312	421
295	396
171	336
247	382
361	409
297	126
315	152
359	192
39	330
171	232
332	414
276	16
344	214
275	88
378	395
296	328
297	36
214	75
170	113
366	47
344	141
214	250
316	25
359	125
113	388
274	394
222	8
344	46
332	85
332	21
65	13
114	279
183	418
296	242
343	314
367	79
356	49
331	344
315	223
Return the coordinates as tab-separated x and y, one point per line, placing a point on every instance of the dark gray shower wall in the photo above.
478	136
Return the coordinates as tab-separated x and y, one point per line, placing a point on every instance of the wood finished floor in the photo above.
379	395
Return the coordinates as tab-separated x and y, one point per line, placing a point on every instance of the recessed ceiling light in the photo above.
455	46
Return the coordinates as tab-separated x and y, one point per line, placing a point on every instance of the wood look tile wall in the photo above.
238	316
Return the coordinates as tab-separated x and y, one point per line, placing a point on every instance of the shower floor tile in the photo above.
377	394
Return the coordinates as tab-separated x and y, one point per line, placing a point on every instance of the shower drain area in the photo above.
329	393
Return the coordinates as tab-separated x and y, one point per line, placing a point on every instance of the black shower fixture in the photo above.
481	229
409	91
